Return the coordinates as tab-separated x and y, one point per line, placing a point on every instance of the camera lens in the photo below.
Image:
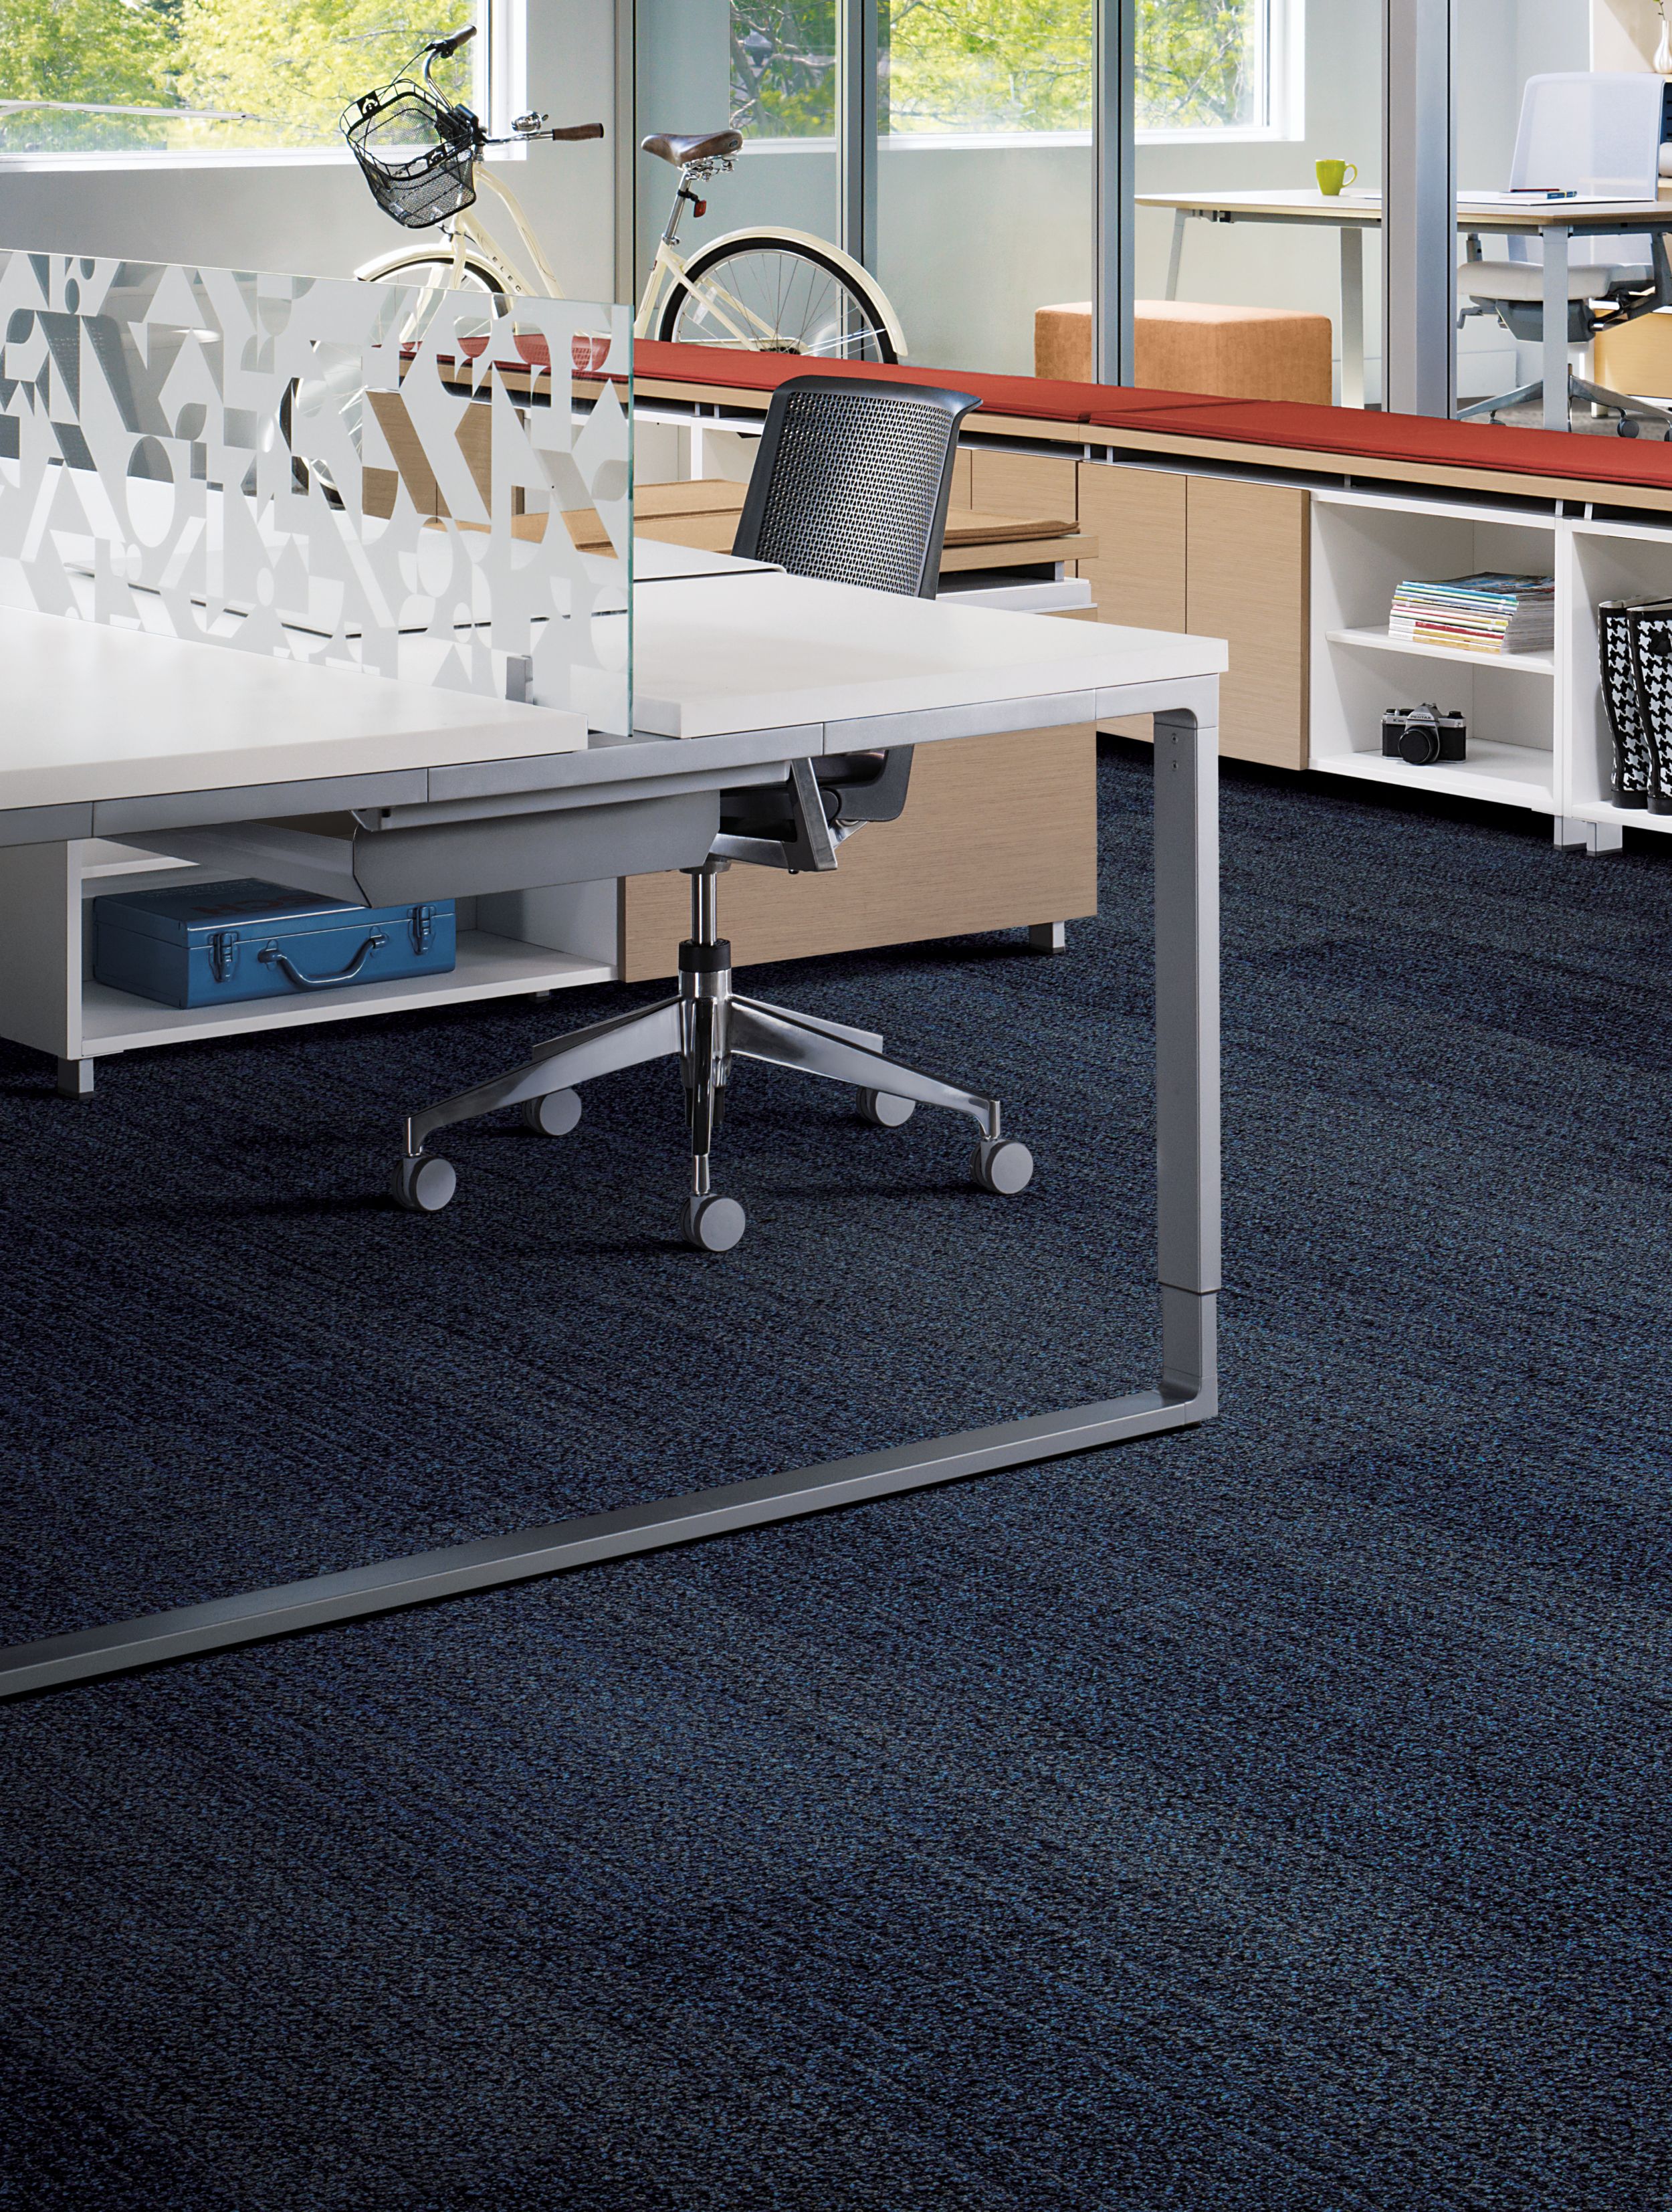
1419	741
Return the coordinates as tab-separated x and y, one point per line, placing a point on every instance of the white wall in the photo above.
318	218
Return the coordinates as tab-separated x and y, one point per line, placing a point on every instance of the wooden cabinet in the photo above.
1223	558
1248	582
998	833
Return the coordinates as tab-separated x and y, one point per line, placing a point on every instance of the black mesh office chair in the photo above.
851	485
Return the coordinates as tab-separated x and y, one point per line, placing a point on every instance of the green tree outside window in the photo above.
996	65
291	65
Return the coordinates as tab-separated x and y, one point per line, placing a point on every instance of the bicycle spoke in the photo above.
774	298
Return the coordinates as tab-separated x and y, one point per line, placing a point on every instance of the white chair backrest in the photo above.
1595	131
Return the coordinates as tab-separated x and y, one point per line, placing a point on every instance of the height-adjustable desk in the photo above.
737	674
1555	222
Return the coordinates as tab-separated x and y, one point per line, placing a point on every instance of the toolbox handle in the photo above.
277	958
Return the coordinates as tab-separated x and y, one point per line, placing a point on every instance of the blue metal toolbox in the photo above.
209	945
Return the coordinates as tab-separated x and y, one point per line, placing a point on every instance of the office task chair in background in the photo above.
1598	133
851	486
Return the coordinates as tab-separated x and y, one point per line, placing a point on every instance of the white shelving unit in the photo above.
1538	729
1601	561
1363	545
514	945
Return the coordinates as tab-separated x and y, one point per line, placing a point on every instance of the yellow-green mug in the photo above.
1331	175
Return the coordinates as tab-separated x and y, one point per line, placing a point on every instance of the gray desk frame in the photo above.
1187	1039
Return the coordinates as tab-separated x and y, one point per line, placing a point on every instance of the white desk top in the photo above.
714	655
90	712
657	562
1474	211
763	666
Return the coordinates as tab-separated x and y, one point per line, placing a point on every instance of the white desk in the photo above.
1353	213
816	668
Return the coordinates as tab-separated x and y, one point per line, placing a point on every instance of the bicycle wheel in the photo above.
793	299
437	269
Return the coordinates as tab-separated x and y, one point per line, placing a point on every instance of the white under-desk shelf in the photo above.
489	967
1379	641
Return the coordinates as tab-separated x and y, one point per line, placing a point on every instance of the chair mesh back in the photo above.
853	482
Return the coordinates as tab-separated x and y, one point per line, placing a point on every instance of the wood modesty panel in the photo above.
997	832
1248	581
1138	518
1023	484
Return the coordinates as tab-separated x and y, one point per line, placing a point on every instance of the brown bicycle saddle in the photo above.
680	148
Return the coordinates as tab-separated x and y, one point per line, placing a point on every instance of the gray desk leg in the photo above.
1353	318
1187	1039
1187	1051
1555	327
74	1079
1176	253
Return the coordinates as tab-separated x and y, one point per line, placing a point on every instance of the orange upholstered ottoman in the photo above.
1183	346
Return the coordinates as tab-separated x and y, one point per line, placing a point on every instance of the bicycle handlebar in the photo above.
577	130
444	49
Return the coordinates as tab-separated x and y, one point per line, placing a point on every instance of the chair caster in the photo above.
1626	427
1002	1165
883	1109
554	1116
713	1224
424	1185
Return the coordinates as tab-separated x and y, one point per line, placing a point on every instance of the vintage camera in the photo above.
1421	735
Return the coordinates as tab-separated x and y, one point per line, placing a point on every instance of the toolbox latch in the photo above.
222	954
421	923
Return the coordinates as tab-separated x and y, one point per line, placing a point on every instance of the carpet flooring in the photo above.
1267	1818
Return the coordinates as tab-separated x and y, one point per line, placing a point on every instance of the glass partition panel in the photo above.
353	474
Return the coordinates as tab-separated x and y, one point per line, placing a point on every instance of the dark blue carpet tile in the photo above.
1271	1819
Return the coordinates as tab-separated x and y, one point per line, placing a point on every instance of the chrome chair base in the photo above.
1631	411
705	1025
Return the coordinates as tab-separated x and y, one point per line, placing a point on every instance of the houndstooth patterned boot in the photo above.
1648	628
1632	756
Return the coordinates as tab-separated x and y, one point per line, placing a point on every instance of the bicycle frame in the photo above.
469	239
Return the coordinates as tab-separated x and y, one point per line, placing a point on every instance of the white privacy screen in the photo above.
360	475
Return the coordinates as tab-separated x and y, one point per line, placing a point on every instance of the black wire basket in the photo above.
416	150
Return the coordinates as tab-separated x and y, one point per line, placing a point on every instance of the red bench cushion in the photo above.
1042	399
1416	437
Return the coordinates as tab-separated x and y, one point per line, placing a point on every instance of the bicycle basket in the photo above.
416	151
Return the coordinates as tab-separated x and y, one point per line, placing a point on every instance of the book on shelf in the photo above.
1488	613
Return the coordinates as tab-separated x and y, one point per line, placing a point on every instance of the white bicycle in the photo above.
766	290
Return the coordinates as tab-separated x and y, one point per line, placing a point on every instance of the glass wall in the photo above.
768	70
1500	49
985	176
